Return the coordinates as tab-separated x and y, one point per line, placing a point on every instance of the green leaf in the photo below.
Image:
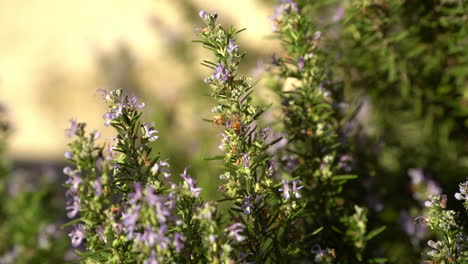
375	232
344	177
316	231
215	158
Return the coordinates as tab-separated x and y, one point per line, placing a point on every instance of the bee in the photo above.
219	120
115	210
236	125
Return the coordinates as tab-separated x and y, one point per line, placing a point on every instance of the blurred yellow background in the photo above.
54	54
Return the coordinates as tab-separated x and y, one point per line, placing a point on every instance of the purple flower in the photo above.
221	73
97	186
148	237
161	238
150	197
152	259
134	197
111	147
234	231
191	183
246	159
272	168
292	5
109	117
274	60
133	102
161	211
296	188
160	168
149	131
178	242
129	220
291	163
247	206
285	190
317	35
203	14
74	180
106	95
232	47
463	194
77	235
74	206
300	64
338	13
68	155
72	130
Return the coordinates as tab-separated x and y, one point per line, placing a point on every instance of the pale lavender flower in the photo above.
152	259
433	188
300	64
150	131
463	194
137	195
286	190
203	14
43	239
161	239
416	175
246	159
73	207
68	155
221	73
178	242
260	68
212	238
234	231
411	228
191	183
111	147
74	181
291	163
150	197
292	4
272	168
10	256
69	132
106	96
232	47
148	237
296	188
317	35
109	117
161	211
338	14
247	206
318	253
129	220
68	171
162	167
344	163
77	235
97	187
133	102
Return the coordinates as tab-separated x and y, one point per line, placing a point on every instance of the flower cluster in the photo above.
247	181
453	243
129	207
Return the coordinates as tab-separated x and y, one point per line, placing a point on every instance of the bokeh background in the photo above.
410	139
56	54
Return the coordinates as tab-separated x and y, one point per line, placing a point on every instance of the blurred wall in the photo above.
54	54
